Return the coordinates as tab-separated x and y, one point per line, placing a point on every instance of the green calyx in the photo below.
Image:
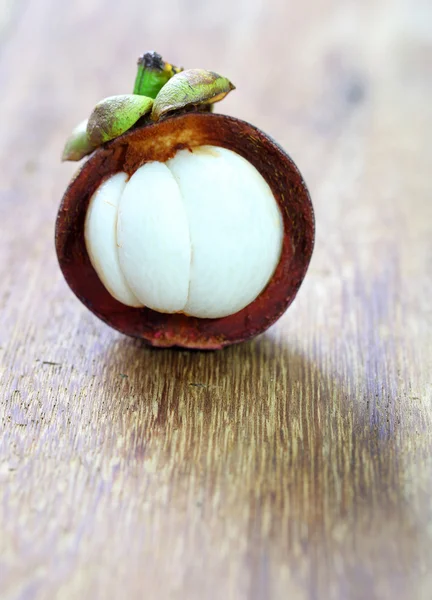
153	73
190	88
77	145
115	115
160	89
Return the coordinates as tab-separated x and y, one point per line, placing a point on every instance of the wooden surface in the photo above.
295	466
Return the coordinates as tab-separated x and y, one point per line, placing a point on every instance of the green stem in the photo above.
153	73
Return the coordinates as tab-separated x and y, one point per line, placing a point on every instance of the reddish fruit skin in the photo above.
160	142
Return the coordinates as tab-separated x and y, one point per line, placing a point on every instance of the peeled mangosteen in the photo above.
183	227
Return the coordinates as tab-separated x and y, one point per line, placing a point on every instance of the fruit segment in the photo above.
153	239
235	226
101	238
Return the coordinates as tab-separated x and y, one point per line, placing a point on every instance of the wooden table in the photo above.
298	465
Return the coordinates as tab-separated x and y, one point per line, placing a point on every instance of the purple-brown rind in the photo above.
160	142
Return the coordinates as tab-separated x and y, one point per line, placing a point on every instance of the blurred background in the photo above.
297	465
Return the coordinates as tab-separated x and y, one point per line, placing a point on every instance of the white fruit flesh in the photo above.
153	239
201	234
101	238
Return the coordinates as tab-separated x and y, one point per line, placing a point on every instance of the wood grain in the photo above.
298	465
